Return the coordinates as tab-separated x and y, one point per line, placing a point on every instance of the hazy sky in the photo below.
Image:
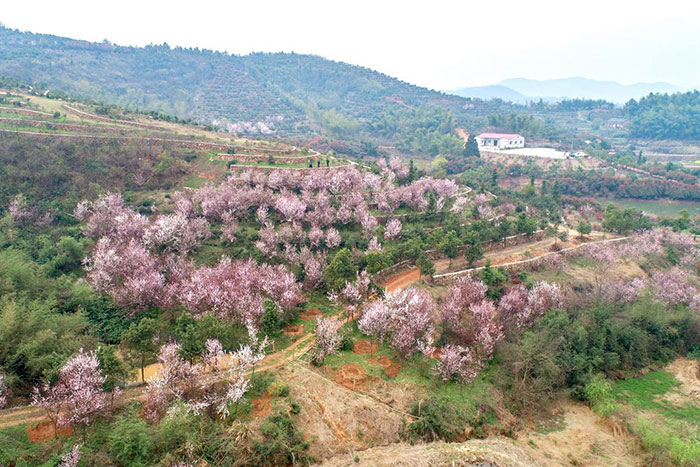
438	44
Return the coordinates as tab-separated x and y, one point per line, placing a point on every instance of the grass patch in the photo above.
670	208
17	449
671	432
646	393
551	425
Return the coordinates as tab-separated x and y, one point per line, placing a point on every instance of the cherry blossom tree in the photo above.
328	338
77	397
314	266
402	317
236	290
344	214
198	383
20	212
456	362
290	206
229	227
512	303
464	292
177	378
177	232
333	238
232	367
624	291
262	213
127	272
541	298
71	458
550	262
108	216
268	241
374	245
487	331
4	391
460	204
604	256
315	236
673	286
393	229
398	167
366	220
183	205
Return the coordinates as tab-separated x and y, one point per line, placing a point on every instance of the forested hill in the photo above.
660	116
287	92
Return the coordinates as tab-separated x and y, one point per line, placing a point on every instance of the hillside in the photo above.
663	116
287	93
120	233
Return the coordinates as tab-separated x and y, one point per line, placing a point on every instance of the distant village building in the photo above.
616	123
500	140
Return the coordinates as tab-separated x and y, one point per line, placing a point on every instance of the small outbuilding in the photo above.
500	140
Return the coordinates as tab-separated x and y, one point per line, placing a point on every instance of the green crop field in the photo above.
670	208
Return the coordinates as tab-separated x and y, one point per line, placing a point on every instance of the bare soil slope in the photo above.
487	452
584	439
338	420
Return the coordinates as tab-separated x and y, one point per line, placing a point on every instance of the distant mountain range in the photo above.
521	90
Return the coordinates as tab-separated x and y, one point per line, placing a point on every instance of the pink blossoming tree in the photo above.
393	229
4	391
77	397
404	318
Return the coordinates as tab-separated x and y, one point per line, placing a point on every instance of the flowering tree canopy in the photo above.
328	337
403	318
195	383
393	229
4	392
236	290
464	292
457	362
77	397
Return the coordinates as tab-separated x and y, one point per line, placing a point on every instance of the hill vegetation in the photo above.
665	116
172	295
290	94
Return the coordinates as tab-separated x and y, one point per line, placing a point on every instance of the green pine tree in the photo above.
471	148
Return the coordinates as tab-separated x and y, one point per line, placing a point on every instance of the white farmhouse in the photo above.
500	140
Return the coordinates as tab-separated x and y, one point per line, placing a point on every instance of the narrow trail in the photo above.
500	257
29	414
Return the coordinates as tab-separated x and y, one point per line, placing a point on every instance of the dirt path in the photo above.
497	257
29	414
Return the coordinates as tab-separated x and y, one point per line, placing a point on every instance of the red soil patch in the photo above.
262	406
364	347
401	280
294	330
44	431
310	314
391	368
351	375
